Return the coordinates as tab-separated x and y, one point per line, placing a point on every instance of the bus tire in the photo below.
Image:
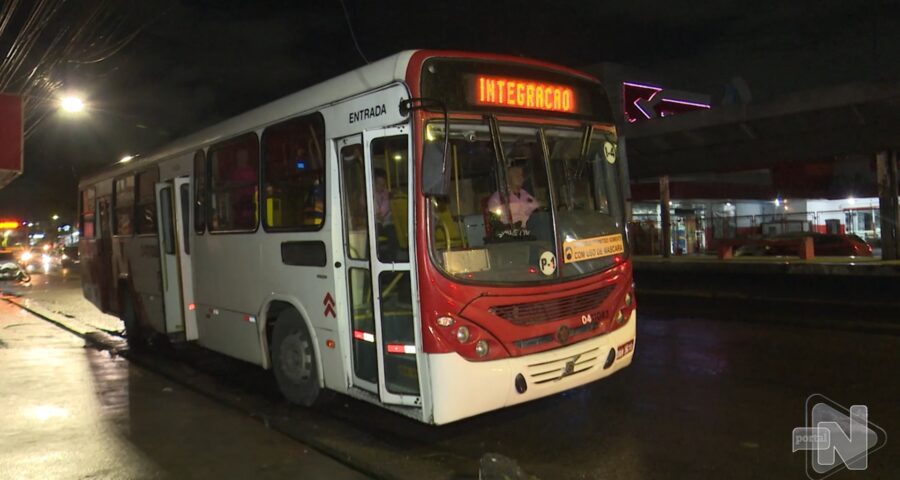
294	360
133	333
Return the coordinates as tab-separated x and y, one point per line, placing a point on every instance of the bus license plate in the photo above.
625	349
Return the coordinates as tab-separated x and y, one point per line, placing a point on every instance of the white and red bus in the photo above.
440	233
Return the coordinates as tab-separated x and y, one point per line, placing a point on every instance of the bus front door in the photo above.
173	202
375	186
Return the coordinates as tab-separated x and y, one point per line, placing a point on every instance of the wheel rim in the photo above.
295	359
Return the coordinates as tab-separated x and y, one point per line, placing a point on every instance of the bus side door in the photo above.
376	191
174	206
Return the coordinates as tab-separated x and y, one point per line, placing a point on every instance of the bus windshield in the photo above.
527	203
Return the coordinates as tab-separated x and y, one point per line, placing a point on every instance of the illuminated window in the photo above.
294	174
123	197
234	185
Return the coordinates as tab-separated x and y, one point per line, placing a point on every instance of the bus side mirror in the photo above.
435	178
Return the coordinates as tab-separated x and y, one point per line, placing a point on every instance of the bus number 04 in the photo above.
586	319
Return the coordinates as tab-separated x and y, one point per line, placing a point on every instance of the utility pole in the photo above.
886	172
665	217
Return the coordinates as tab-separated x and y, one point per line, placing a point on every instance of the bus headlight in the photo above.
482	348
462	334
619	318
628	300
452	333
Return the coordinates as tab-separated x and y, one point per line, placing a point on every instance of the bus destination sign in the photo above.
526	94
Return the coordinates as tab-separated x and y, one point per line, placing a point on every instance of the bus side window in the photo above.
234	184
199	192
123	198
87	213
294	174
356	226
103	215
390	198
145	222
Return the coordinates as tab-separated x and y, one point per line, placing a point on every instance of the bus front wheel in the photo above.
294	360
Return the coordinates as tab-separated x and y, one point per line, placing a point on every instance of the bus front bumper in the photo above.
460	388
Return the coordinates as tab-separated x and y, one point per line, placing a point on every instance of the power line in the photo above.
352	35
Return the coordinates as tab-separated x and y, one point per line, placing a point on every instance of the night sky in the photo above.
200	61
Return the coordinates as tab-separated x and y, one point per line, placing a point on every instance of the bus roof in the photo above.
354	82
377	74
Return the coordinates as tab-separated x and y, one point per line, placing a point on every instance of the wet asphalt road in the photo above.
70	412
704	398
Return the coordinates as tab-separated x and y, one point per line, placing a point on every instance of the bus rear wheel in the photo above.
294	360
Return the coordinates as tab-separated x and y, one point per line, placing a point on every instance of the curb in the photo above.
97	338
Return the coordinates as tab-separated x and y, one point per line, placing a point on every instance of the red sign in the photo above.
11	138
517	93
328	302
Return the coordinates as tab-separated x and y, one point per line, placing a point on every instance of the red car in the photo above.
824	245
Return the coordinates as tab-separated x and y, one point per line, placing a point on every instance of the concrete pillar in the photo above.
806	249
625	180
665	228
886	174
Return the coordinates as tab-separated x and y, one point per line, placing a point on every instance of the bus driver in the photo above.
521	203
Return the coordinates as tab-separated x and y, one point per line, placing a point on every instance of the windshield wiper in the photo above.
500	165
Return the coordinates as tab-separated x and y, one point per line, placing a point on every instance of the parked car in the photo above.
824	244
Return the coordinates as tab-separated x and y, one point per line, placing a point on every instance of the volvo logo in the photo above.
569	368
562	335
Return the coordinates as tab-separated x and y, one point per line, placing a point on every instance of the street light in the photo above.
55	217
71	104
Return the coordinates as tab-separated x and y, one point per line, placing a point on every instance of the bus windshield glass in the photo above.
527	204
